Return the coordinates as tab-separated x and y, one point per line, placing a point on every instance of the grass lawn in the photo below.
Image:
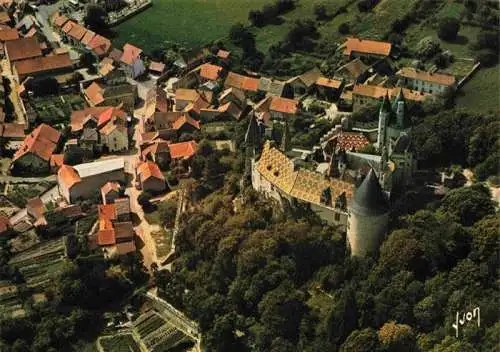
480	94
190	23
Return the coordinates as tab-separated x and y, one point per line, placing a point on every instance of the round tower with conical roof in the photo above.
368	217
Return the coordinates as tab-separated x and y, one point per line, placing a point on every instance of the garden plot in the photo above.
57	109
20	193
119	343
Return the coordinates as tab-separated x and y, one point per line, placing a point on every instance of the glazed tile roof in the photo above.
305	185
350	141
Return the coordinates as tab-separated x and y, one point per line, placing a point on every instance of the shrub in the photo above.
344	28
320	12
427	48
487	57
448	28
144	199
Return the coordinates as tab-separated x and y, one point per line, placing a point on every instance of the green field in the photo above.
480	94
190	23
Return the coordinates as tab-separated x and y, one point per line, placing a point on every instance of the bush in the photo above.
427	48
144	199
344	28
320	12
487	57
448	28
367	5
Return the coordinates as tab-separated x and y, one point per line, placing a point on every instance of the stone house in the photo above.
150	177
426	82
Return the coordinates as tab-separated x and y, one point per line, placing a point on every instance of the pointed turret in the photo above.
383	119
399	107
252	136
285	139
369	200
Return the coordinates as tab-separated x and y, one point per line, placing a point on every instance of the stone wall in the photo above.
365	233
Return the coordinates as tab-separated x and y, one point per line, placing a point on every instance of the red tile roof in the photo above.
59	20
288	106
43	64
110	186
106	237
67	26
23	48
210	72
94	93
12	130
99	44
130	54
183	150
327	82
68	175
157	66
87	38
367	47
77	31
8	34
438	78
351	141
185	119
79	117
125	247
41	142
149	169
241	82
56	160
35	207
106	212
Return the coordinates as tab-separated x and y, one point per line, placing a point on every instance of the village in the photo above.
94	139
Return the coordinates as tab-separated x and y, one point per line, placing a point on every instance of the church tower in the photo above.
252	142
368	218
383	120
285	139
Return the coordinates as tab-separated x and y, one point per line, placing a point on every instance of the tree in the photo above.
88	60
256	18
344	28
448	28
427	48
365	340
320	12
397	337
144	199
168	211
468	204
96	19
74	156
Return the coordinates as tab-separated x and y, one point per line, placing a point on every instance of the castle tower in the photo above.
252	142
368	217
285	139
383	119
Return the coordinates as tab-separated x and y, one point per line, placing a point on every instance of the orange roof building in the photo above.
99	45
210	72
130	54
37	149
223	54
22	48
77	31
150	177
59	20
185	120
328	83
183	150
241	82
8	34
360	47
426	82
43	65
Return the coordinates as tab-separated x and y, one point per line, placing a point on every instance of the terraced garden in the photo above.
119	343
157	334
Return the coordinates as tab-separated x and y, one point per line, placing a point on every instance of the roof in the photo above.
59	20
327	82
378	92
271	86
125	247
94	93
23	48
115	54
35	207
350	141
106	237
310	77
99	44
31	32
183	150
285	105
4	223
241	82
232	109
106	212
122	206
68	175
185	119
210	72
106	66
12	130
223	54
157	66
89	35
99	167
8	34
70	211
305	185
149	169
186	94
130	54
237	93
110	186
68	26
43	64
158	146
79	117
56	160
41	141
369	200
123	230
438	78
77	31
355	67
366	47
